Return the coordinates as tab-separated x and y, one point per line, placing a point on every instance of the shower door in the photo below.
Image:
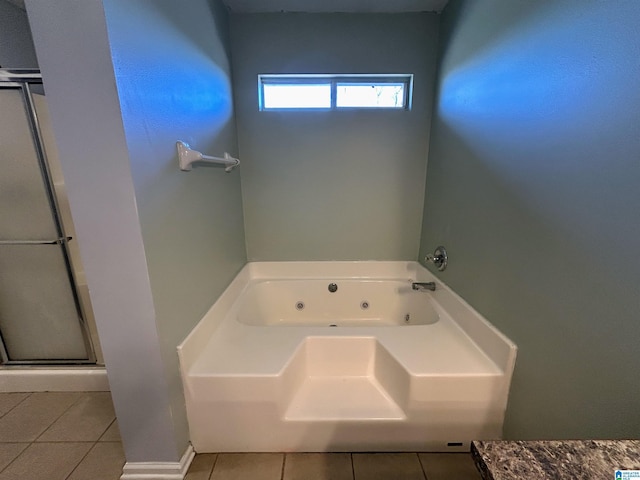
41	319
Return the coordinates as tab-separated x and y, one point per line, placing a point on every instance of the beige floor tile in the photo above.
318	466
46	461
441	466
103	462
9	451
201	466
10	400
112	434
387	466
85	421
33	415
245	466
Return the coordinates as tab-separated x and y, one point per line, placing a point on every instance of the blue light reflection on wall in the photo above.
542	104
184	98
523	80
172	79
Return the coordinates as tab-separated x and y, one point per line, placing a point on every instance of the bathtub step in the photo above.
342	398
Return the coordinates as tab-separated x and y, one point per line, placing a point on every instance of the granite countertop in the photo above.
555	459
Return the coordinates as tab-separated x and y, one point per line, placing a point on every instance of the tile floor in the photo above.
74	436
333	466
59	436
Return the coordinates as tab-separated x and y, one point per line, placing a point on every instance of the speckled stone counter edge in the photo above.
480	464
554	459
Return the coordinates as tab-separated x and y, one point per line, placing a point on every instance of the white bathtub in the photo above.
280	363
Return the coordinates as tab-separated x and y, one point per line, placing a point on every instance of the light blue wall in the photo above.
158	245
16	44
533	185
345	185
87	123
173	78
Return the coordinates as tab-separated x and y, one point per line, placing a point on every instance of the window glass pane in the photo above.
385	95
296	96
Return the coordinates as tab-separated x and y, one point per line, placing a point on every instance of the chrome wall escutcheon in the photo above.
439	258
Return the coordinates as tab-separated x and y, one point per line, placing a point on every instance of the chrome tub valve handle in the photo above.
439	258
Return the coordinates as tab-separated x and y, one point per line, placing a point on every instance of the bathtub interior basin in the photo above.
283	363
339	303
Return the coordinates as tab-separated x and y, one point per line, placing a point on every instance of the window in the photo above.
334	92
286	95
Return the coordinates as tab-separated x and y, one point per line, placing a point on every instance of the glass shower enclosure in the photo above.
41	317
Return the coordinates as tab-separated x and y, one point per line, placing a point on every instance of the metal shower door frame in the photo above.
23	80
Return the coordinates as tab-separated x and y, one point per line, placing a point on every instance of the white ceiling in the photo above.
327	6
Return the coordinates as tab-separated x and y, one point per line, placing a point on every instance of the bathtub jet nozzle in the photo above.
424	286
333	287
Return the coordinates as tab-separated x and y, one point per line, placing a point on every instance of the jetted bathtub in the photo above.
343	356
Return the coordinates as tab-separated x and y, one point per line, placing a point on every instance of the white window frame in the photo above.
333	81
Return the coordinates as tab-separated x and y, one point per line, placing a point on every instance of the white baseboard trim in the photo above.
53	379
159	470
